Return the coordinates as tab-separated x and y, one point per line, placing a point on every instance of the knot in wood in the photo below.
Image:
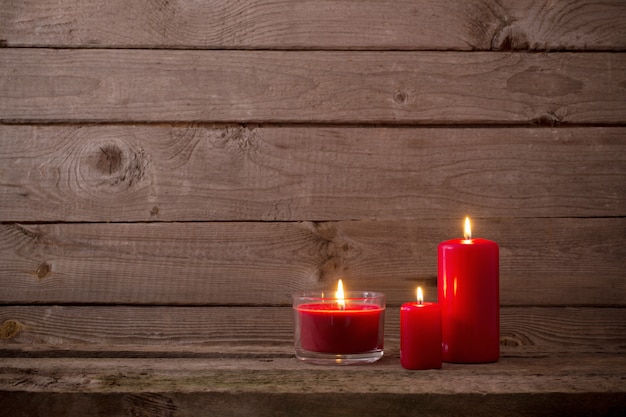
551	118
114	165
110	159
242	137
43	270
509	38
10	329
401	97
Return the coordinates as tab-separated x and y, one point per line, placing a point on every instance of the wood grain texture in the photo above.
209	332
321	87
287	375
335	404
281	386
199	173
315	24
167	118
543	261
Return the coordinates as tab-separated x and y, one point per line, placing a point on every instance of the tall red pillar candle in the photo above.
420	334
468	288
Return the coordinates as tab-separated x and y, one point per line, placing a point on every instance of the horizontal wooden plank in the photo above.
311	405
322	87
198	173
542	261
287	375
281	386
205	332
334	404
317	24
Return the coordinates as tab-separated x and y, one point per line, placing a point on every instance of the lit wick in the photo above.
341	302
420	296
467	233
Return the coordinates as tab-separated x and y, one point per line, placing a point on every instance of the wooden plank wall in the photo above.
172	171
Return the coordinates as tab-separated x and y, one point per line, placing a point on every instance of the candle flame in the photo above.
468	229
420	296
339	295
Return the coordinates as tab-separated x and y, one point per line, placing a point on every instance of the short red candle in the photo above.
420	336
468	287
326	329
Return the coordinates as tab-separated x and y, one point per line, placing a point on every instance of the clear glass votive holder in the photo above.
329	331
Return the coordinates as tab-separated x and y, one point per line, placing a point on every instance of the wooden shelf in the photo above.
272	382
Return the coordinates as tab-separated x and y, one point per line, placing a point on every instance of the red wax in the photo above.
420	336
468	287
325	328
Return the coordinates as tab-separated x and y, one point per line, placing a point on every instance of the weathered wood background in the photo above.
172	171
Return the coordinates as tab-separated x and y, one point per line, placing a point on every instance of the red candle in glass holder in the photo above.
468	287
326	329
341	329
420	334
